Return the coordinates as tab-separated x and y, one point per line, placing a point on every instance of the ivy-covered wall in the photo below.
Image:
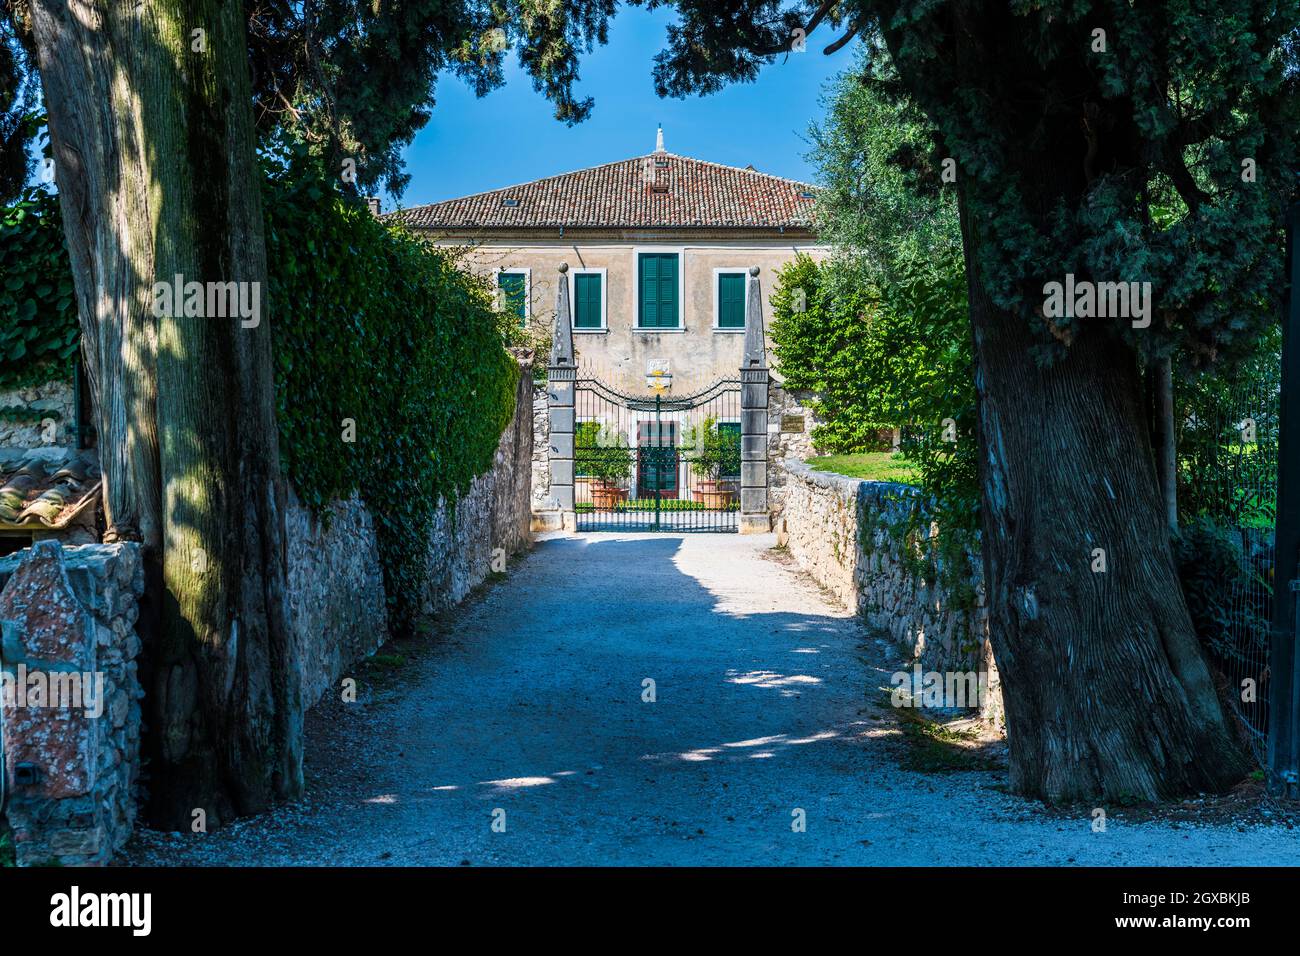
393	380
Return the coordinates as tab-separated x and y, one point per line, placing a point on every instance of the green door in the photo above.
658	291
657	460
729	448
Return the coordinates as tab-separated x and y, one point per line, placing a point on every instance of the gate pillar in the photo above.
561	378
754	516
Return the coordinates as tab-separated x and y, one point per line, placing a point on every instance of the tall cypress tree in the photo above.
1091	142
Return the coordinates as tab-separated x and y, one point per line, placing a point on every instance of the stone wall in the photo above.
790	422
71	757
71	774
541	448
491	518
336	583
23	411
337	606
837	528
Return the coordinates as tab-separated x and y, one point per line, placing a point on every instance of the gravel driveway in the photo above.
527	710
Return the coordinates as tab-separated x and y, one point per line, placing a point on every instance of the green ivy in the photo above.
374	325
369	323
26	415
38	309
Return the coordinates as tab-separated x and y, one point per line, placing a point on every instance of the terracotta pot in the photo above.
604	496
714	494
719	500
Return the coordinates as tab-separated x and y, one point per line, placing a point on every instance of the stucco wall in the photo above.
698	354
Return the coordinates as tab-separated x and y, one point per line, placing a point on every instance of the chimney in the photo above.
373	203
659	139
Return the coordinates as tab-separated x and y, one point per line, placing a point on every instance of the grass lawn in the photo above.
871	465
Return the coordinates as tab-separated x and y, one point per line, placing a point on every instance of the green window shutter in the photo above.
586	300
514	288
649	294
731	300
668	318
658	290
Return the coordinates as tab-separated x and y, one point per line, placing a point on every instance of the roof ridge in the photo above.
588	169
743	169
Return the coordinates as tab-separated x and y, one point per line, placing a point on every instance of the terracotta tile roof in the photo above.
36	493
659	190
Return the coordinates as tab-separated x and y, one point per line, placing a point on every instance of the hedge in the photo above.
375	327
392	377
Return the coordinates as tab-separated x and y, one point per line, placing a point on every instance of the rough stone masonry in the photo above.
837	530
70	711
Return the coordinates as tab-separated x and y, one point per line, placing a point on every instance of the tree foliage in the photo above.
1160	118
20	117
356	80
879	331
369	324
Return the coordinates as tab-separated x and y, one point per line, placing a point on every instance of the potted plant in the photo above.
606	463
716	458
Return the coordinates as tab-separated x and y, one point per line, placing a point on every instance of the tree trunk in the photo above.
1106	689
153	142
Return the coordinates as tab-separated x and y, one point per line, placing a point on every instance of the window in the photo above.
589	299
657	283
514	293
730	300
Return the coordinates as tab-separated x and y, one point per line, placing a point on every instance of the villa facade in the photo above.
658	249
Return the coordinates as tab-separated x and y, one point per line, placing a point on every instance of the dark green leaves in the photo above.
371	324
38	315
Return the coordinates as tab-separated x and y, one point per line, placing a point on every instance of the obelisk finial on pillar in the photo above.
562	342
755	339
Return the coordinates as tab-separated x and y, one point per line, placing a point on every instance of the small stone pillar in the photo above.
754	517
70	707
561	378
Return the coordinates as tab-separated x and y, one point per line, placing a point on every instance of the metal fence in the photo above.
655	462
1228	500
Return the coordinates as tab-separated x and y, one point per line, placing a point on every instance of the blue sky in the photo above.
510	136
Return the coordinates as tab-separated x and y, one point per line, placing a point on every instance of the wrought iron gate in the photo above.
655	462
